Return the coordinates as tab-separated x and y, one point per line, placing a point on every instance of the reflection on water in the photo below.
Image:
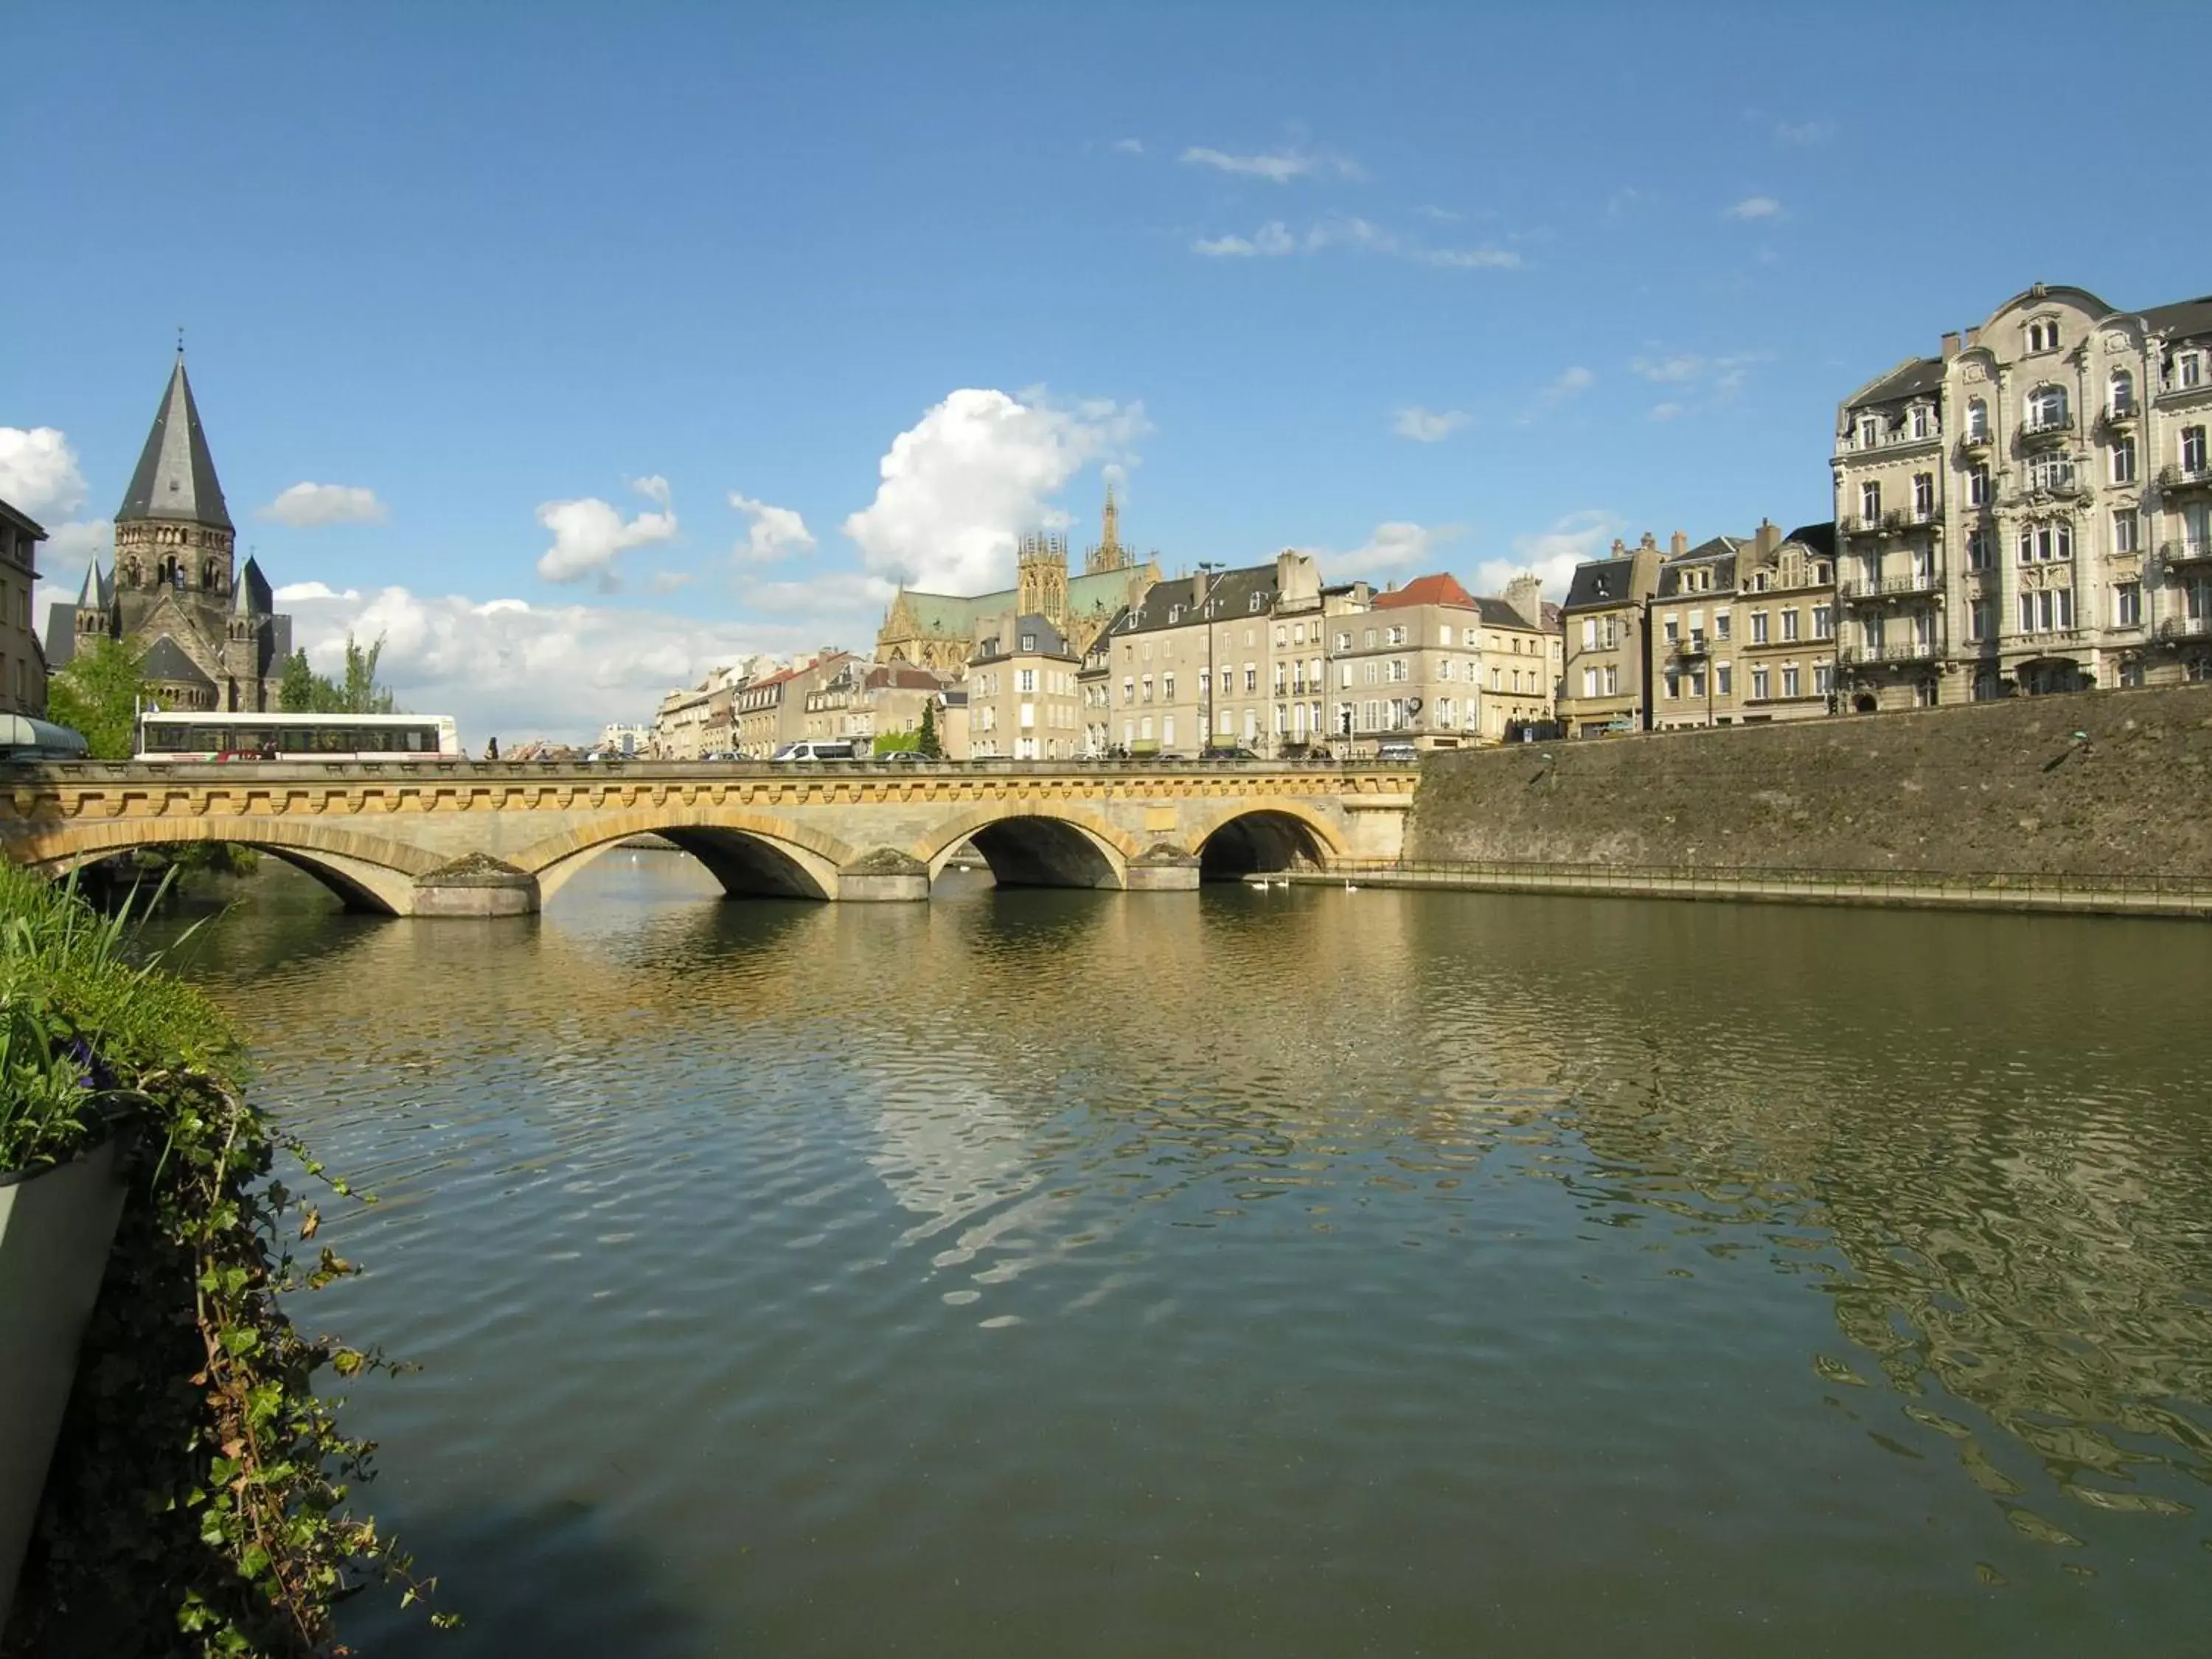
1265	1272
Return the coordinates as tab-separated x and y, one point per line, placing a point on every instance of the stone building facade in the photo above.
1742	630
206	630
1432	665
2031	510
23	663
1022	700
1602	688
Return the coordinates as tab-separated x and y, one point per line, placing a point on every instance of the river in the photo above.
1263	1273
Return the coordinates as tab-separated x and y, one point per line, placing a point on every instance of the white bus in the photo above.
164	735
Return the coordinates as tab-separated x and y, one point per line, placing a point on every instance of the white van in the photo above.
816	749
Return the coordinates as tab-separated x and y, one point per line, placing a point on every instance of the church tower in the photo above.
1110	554
173	530
1040	580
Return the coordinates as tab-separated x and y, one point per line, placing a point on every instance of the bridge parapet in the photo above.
401	837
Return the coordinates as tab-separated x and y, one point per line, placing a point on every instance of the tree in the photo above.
928	742
98	695
303	691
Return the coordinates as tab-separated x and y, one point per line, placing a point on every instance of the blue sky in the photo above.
601	326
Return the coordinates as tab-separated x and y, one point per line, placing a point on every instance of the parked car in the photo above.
907	754
818	749
1397	753
1238	752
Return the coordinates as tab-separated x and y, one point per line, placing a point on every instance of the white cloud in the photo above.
1753	207
1442	215
1427	426
1672	370
1274	240
307	504
776	533
1703	382
1554	554
667	581
39	472
588	534
1804	133
1279	169
1397	544
515	669
1271	242
1569	384
293	592
67	550
962	484
1668	411
1129	146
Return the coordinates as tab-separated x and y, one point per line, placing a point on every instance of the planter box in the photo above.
56	1226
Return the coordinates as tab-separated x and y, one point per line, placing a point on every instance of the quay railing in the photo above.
2087	891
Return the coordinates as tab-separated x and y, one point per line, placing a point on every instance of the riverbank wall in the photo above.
2115	785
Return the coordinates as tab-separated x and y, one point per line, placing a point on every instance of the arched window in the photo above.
2046	407
1977	418
2046	543
2122	400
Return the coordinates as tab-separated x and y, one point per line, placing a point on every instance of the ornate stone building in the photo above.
208	631
2032	510
943	630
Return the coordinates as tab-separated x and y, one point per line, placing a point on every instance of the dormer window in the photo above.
2188	370
1028	642
1923	420
1255	604
1175	615
1870	431
2043	334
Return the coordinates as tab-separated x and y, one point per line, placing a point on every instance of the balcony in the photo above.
1977	443
2184	627
1890	651
1919	581
2048	428
2185	477
2187	550
1695	646
2118	417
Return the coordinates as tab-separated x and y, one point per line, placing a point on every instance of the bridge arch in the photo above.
751	855
1247	836
364	872
1035	844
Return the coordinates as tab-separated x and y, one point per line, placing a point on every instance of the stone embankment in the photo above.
2113	785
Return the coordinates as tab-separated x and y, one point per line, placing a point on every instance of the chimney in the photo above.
1525	594
1950	347
1649	541
1768	540
1198	588
1973	335
1678	543
1619	548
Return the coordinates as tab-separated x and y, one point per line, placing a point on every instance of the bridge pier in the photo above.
476	886
1164	868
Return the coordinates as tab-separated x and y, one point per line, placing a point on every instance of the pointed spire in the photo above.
1112	517
175	478
86	596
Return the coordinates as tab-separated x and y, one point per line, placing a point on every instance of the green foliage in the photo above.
301	690
97	693
926	740
204	858
896	743
196	1504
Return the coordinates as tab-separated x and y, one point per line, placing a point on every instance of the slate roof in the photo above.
253	597
167	661
1914	377
1232	594
1601	582
1821	538
2183	318
1719	549
1499	614
61	635
952	616
175	477
1050	642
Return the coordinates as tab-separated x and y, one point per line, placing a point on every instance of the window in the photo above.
1444	634
1923	420
1758	628
2127	604
1977	419
1869	502
1824	622
1444	669
1869	429
2046	543
1367	639
1980	620
1167	687
1760	680
2047	409
1612	679
1589	681
1257	601
1148	687
1395	671
2043	334
1128	689
2123	461
1789	624
1025	679
1790	679
1719	624
1344	641
2123	530
1673	683
1281	636
1394	635
2189	369
2192	449
2046	609
1978	484
1823	678
2050	472
1724	679
2121	399
1923	495
1589	633
1251	678
1697	683
1674	630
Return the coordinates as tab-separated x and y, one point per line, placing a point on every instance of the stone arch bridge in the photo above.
475	839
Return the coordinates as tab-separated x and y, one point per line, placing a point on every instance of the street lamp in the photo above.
1206	567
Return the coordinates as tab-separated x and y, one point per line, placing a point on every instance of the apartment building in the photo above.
1602	680
1742	630
1023	699
2030	511
1435	666
1190	664
23	664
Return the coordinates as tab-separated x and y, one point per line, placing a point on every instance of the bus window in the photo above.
248	740
413	737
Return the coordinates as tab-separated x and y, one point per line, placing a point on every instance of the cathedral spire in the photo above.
175	479
1112	517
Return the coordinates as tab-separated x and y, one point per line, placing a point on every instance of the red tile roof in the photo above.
1439	589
